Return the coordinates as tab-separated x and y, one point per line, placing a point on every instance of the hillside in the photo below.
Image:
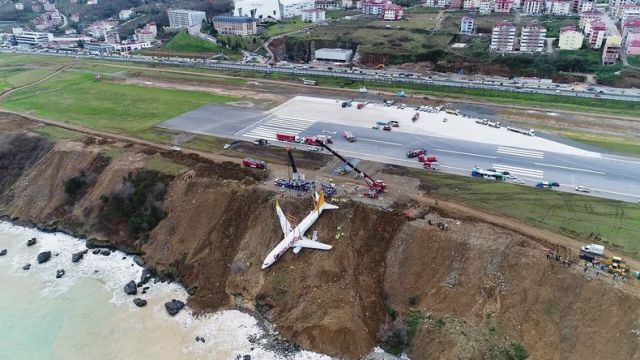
474	291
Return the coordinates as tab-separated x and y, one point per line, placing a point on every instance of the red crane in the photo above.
375	186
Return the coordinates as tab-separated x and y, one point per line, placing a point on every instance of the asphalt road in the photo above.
608	176
368	75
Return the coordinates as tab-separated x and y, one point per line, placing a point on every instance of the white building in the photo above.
486	6
125	14
313	15
185	18
558	7
532	38
257	9
570	39
31	38
532	7
19	6
291	8
503	37
585	6
628	12
466	25
326	54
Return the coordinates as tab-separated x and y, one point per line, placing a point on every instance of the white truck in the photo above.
593	249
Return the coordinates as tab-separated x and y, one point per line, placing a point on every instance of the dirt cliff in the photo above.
473	291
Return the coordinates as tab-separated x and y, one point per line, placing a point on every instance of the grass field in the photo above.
161	164
57	133
634	61
612	223
621	145
107	105
15	77
280	28
185	43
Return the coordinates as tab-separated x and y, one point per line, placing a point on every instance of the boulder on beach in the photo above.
131	288
96	251
44	256
138	260
146	276
246	357
140	302
59	273
31	242
75	257
3	252
26	267
174	306
105	252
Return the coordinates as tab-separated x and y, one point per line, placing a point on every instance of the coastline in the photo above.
111	272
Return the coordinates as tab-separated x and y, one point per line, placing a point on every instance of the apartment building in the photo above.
532	38
570	38
611	51
185	18
503	37
466	25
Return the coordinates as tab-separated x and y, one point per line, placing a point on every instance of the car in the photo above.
386	127
393	123
176	148
254	164
583	189
375	127
444	120
313	148
518	181
416	152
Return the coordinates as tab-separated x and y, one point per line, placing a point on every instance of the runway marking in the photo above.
519	171
466	153
571	168
622	160
381	142
274	124
520	152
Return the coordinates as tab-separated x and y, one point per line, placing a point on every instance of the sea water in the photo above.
86	314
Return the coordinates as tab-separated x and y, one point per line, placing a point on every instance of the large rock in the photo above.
138	260
75	257
3	252
131	288
174	306
59	273
105	252
95	251
44	256
31	242
26	267
139	302
145	277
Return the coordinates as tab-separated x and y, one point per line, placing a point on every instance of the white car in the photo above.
518	181
313	148
175	148
582	189
226	146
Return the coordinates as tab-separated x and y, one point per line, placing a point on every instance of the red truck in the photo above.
416	152
427	158
431	165
287	137
255	164
318	138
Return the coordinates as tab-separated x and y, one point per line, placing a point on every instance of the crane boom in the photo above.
294	170
378	186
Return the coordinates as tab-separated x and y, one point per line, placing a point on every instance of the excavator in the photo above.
376	187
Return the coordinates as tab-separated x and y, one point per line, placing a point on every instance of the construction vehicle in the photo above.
427	158
375	186
346	104
431	165
416	152
529	132
360	106
254	164
616	265
349	136
261	142
296	180
594	249
415	117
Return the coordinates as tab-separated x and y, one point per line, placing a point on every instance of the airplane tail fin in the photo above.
321	204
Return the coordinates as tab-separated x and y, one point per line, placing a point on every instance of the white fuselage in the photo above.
291	238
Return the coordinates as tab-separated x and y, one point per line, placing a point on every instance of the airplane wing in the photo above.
305	242
284	223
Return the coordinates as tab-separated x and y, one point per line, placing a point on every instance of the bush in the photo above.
73	185
517	351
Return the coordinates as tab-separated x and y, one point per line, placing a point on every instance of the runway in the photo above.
459	143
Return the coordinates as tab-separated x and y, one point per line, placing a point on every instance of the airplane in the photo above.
294	237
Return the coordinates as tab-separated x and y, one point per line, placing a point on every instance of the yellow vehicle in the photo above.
616	265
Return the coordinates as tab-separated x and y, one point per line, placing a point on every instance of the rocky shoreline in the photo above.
269	339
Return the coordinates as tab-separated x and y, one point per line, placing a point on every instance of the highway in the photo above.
365	75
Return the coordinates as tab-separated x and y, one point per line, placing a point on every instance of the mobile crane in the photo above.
375	186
